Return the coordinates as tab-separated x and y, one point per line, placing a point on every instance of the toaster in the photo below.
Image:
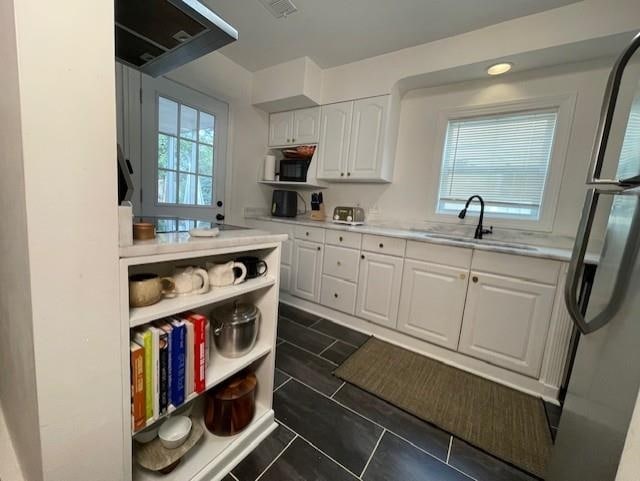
348	215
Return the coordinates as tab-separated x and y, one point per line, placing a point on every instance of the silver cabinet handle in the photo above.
606	119
576	267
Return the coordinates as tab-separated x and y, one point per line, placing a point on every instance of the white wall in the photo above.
410	197
67	120
222	78
17	362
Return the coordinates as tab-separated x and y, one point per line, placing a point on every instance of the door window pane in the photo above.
206	128
205	160
187	189
188	122
205	190
167	152
188	156
167	116
166	187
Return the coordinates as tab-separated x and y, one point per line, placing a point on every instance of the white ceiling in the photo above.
335	32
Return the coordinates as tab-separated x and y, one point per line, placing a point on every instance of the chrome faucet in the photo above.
480	231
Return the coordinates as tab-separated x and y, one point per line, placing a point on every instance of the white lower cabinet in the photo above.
338	294
285	277
506	321
379	288
307	269
432	302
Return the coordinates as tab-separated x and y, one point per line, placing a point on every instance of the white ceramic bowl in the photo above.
175	431
146	436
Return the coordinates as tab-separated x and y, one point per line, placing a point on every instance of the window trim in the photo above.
565	106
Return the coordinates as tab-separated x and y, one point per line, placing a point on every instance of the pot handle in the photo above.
217	330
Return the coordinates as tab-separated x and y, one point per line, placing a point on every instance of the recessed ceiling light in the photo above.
499	68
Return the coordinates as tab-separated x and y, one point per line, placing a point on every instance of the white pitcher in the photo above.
226	274
186	281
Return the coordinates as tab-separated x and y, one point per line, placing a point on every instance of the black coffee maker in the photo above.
284	203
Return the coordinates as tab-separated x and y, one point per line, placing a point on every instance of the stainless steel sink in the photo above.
487	242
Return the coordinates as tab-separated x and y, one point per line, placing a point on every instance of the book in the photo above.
163	371
155	365
144	339
178	361
189	358
199	368
138	408
165	327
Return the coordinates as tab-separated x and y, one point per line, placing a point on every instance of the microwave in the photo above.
294	170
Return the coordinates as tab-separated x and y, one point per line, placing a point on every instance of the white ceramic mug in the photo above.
187	281
226	274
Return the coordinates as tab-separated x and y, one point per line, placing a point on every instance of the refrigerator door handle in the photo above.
576	265
606	120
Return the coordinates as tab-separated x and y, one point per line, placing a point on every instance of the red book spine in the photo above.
199	363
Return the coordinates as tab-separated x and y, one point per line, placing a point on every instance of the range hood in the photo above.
157	36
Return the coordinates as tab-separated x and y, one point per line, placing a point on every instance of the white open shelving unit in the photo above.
213	457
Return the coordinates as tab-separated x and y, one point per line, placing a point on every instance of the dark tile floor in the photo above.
332	431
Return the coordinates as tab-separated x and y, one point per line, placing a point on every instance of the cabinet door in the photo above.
506	321
333	148
306	126
367	138
379	288
307	267
280	128
285	278
432	302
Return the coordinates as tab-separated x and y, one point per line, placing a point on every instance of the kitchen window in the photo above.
184	144
510	155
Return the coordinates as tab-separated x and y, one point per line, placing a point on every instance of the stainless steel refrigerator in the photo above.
604	383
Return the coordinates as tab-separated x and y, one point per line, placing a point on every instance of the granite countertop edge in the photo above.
528	250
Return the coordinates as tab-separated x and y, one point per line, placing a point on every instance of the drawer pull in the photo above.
341	174
362	256
340	238
348	174
463	276
335	294
339	263
318	247
307	234
381	245
475	279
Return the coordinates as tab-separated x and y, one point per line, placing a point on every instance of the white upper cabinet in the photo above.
295	127
432	302
335	131
306	126
506	321
367	138
357	141
379	288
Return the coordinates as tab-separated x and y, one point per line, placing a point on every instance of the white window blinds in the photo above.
504	158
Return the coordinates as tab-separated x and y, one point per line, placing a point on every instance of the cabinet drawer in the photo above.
544	271
341	262
438	254
314	234
385	245
338	294
343	239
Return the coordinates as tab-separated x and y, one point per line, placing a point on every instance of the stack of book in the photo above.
169	359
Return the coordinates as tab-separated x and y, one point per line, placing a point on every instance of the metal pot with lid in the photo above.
235	328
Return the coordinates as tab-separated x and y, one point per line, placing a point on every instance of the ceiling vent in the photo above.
279	8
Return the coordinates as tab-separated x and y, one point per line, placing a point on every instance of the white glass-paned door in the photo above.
184	144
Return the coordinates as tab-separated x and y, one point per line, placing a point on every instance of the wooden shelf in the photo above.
293	185
169	307
213	454
219	369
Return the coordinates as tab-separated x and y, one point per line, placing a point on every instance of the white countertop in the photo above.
457	240
183	242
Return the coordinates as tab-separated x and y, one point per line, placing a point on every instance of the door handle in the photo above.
219	217
576	267
606	120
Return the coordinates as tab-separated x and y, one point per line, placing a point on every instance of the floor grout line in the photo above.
449	450
285	382
310	328
310	352
278	456
375	423
327	348
341	386
234	476
317	448
375	448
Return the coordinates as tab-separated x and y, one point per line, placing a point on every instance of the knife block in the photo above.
318	214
